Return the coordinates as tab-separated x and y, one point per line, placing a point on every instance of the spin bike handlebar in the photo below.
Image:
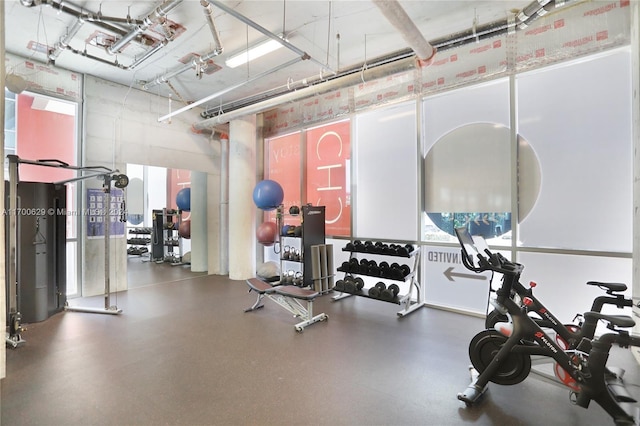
492	262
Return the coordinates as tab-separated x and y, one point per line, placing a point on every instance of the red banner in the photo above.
328	163
284	168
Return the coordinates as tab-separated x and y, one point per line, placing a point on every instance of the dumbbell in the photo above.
390	292
353	285
339	286
402	251
373	268
396	272
377	290
384	269
298	279
406	270
354	265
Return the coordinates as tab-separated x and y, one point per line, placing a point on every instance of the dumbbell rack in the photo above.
412	300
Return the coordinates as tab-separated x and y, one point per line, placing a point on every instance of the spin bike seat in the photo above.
609	286
615	320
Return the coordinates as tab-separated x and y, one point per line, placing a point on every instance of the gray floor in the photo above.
185	353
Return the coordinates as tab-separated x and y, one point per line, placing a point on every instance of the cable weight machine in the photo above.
108	177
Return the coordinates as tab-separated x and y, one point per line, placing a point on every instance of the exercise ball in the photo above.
183	199
268	194
184	230
266	233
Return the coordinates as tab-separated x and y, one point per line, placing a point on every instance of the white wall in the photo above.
121	127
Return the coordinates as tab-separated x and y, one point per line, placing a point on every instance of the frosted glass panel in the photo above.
386	175
577	119
562	281
467	151
486	103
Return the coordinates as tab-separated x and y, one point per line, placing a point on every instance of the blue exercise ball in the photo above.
183	199
268	194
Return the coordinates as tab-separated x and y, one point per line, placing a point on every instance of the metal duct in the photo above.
197	63
384	68
64	41
153	17
338	83
397	16
108	23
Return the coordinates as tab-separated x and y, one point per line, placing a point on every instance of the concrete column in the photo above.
199	251
242	211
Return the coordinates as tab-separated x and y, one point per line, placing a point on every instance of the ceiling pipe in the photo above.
64	41
148	54
404	61
396	15
196	63
153	17
353	79
229	89
108	23
199	63
208	14
303	55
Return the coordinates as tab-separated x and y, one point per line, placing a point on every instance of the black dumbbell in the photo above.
402	251
353	285
406	270
390	292
373	268
377	290
384	269
354	265
339	286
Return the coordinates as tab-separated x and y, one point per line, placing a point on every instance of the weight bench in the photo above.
289	297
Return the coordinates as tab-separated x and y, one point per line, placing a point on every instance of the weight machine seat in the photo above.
609	286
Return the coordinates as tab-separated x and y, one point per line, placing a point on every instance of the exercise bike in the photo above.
567	335
506	360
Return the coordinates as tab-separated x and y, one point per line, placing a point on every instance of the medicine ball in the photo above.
266	233
294	210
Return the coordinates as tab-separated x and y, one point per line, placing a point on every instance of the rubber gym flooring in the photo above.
185	353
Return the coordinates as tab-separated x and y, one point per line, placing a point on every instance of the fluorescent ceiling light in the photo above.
253	53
